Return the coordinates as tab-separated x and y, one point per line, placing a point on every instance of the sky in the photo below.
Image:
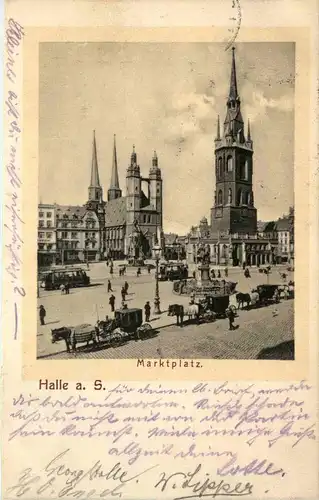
164	97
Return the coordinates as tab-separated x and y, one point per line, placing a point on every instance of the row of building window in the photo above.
48	215
46	235
243	197
243	167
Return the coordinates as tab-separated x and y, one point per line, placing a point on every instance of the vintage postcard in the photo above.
160	250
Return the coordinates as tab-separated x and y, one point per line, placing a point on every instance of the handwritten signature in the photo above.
197	486
58	470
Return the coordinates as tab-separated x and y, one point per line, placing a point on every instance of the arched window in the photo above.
239	197
229	164
246	170
220	168
220	197
230	196
246	198
242	166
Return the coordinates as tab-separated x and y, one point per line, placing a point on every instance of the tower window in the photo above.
230	196
220	197
220	168
229	164
239	197
246	198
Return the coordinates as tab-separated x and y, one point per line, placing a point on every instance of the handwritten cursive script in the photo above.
60	479
12	214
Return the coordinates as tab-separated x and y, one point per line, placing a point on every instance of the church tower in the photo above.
156	189
95	190
114	191
95	202
133	189
233	210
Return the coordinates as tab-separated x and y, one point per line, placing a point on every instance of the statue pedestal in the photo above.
203	278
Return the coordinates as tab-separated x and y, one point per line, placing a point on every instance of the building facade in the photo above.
47	247
232	238
132	221
122	226
285	230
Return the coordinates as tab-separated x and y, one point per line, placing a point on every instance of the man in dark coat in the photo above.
147	309
226	272
42	314
126	286
231	319
112	302
109	286
123	293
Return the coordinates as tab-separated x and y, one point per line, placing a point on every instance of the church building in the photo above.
129	224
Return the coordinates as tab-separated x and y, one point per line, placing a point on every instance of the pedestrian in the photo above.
126	286
219	275
226	272
138	272
123	293
107	262
111	269
147	309
67	288
112	302
62	288
109	286
231	318
87	265
42	314
149	269
124	270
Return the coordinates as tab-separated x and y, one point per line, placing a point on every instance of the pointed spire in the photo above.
133	156
115	175
95	179
155	160
218	129
233	94
248	131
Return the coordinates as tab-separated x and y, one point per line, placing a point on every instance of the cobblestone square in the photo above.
257	328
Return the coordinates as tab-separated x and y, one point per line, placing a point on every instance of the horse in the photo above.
192	311
283	351
178	311
72	337
243	298
63	333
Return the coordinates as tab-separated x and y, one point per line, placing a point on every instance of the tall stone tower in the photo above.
156	189
95	202
114	191
233	210
133	189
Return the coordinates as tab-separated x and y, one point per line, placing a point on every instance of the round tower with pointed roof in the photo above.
156	189
133	188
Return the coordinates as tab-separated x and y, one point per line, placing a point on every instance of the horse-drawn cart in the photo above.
216	304
267	294
126	325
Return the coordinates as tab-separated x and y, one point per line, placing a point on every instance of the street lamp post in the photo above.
157	302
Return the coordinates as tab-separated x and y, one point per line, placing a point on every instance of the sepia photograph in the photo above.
166	201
